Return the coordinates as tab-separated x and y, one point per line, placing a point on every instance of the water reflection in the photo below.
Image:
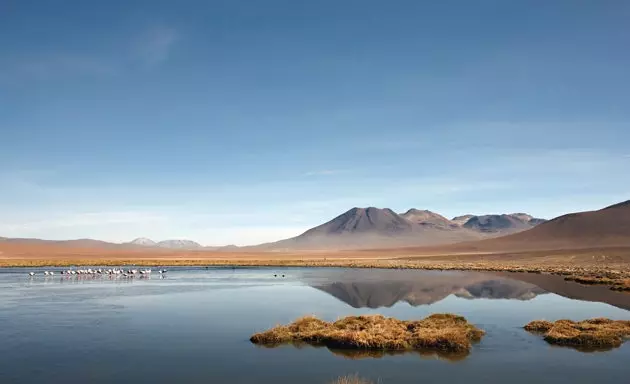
360	354
572	290
377	354
376	289
106	331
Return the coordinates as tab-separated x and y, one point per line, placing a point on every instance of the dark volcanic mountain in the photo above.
365	220
363	228
375	228
497	223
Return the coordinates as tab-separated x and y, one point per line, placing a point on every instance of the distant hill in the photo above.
179	244
428	218
78	243
608	227
382	228
461	220
143	241
499	223
171	244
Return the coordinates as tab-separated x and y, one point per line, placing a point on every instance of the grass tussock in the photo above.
351	379
539	326
439	332
587	334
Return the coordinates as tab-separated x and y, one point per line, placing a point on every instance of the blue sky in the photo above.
248	121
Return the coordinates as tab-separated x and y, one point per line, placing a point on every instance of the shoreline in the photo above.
615	276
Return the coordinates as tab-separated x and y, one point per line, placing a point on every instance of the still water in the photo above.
193	326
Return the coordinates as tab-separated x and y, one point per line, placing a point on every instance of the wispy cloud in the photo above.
149	47
154	46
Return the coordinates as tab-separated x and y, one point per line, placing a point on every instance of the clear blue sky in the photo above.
247	121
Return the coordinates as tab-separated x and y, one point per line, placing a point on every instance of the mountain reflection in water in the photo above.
370	289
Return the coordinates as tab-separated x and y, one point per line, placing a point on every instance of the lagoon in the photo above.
193	326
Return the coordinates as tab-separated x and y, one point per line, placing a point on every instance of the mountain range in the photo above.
382	228
609	227
172	244
365	228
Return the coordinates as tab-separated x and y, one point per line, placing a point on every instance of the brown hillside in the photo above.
608	227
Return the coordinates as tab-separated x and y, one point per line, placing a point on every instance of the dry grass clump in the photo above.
587	334
351	379
441	332
539	326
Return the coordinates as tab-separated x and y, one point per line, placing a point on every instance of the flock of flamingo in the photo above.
100	272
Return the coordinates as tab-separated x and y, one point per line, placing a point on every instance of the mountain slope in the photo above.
375	228
461	220
427	218
365	220
608	227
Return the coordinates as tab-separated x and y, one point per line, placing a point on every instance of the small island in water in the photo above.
598	333
438	332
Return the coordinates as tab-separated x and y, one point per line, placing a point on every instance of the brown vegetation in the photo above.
587	334
351	379
440	332
616	284
610	265
538	326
